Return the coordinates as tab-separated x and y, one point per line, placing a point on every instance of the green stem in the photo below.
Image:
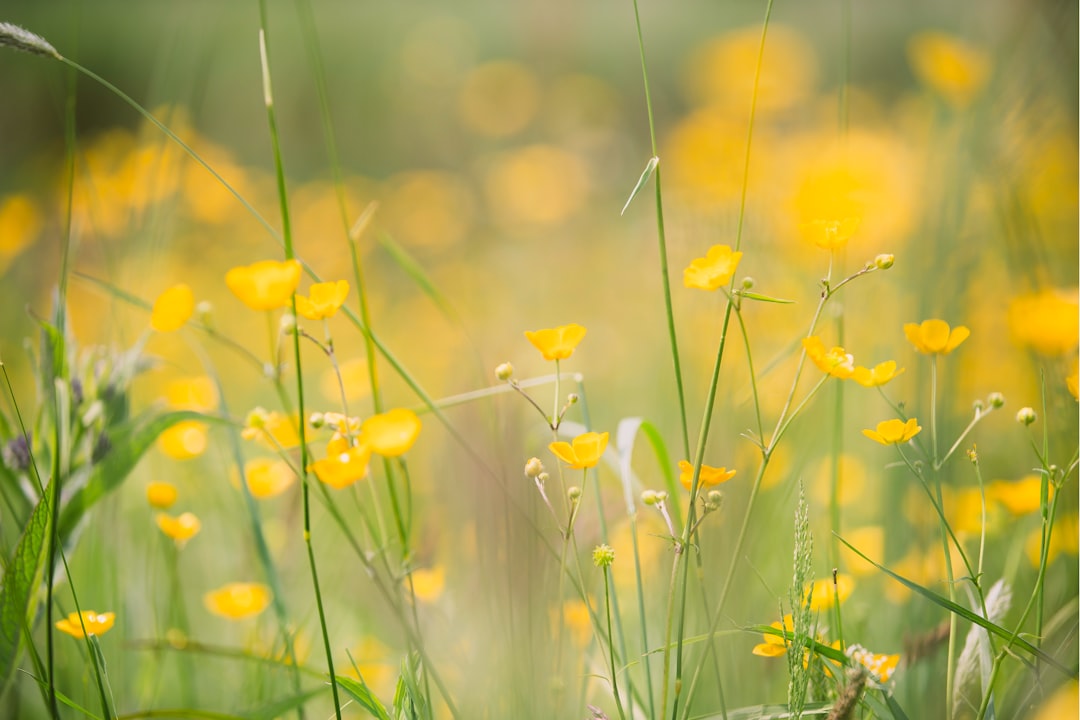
611	644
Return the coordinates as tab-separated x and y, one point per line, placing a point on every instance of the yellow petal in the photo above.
564	451
172	308
268	477
265	285
556	343
184	440
589	447
340	470
391	433
161	494
237	601
958	335
96	623
181	528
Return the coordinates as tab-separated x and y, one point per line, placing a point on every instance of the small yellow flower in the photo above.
879	375
181	528
172	309
237	601
775	645
343	466
192	393
894	432
831	234
712	271
391	433
268	477
161	494
184	440
428	583
585	452
96	623
1048	321
556	343
881	667
265	285
708	477
323	300
272	429
824	595
1019	497
934	336
950	66
834	361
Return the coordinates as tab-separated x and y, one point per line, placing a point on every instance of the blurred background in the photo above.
500	142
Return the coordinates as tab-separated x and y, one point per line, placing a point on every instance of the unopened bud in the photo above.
979	406
714	500
884	261
649	497
504	372
287	323
574	493
996	399
317	420
973	455
542	478
572	398
533	467
603	556
747	282
1026	416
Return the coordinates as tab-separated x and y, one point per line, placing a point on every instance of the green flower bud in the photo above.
603	556
504	372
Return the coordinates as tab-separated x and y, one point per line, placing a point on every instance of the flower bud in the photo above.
574	493
317	420
996	399
204	310
973	455
661	496
1025	416
533	467
504	372
603	556
747	282
648	497
287	323
572	398
979	406
884	261
542	478
714	500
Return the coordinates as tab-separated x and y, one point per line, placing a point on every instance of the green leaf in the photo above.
21	579
650	167
764	298
282	707
408	700
819	648
625	437
772	712
362	694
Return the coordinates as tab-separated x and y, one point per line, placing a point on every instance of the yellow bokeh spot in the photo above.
536	185
428	583
354	378
852	481
193	393
870	541
1047	321
427	209
498	99
238	601
184	440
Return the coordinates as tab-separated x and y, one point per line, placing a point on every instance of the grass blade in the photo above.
650	167
361	694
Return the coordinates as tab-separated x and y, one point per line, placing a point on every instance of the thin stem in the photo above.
611	644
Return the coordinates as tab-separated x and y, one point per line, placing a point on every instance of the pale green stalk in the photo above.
611	644
945	531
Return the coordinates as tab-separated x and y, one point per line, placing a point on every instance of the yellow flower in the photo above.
934	336
342	466
824	595
172	309
1072	381
585	451
894	432
775	645
577	619
161	494
181	528
391	433
556	343
1020	497
268	477
712	271
1048	321
1062	704
831	234
870	541
96	623
833	361
949	66
237	601
323	300
881	667
1063	539
879	375
708	477
274	430
184	440
20	223
265	285
428	583
194	393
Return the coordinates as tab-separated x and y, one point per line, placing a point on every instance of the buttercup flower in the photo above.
775	645
184	440
391	433
934	336
181	528
833	361
192	393
161	494
237	601
323	300
585	452
1072	381
824	596
894	432
428	583
556	343
172	309
712	271
268	477
950	66
96	623
274	430
831	234
342	466
708	477
1019	497
265	285
1048	321
879	375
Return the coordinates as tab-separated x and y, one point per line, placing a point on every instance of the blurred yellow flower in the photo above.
556	343
374	663
831	234
1019	497
585	452
1072	381
934	336
775	645
238	600
391	433
949	66
894	432
172	309
20	223
341	468
1047	321
834	361
870	541
1062	705
575	615
185	440
181	528
498	99
194	393
428	583
1065	538
265	285
852	477
272	429
879	375
354	376
268	477
323	300
538	185
881	667
823	595
161	494
714	270
96	623
708	477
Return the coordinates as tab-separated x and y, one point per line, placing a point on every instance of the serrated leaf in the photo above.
21	579
362	694
764	298
650	167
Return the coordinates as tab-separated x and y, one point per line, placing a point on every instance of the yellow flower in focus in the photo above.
323	300
894	432
194	393
831	234
708	477
96	623
239	600
341	468
185	440
879	375
935	337
1048	321
272	429
774	645
268	477
881	667
172	309
161	495
391	433
824	596
181	528
712	271
585	452
428	583
265	285
1019	497
556	343
949	66
834	361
